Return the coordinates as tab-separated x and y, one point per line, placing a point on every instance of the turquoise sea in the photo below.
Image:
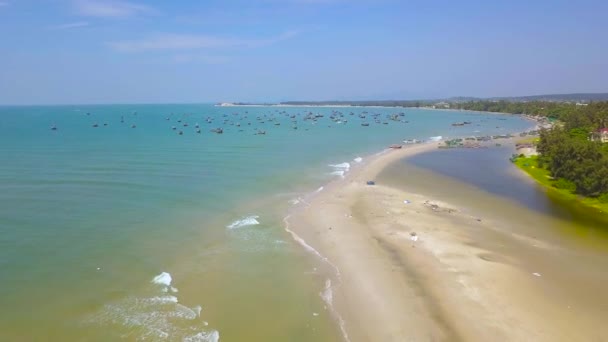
131	231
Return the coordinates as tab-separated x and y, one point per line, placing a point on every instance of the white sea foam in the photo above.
339	173
247	221
327	293
160	300
184	312
328	297
163	279
342	166
198	310
358	160
152	319
212	336
308	247
155	318
437	138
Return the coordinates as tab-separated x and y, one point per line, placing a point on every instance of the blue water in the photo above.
89	215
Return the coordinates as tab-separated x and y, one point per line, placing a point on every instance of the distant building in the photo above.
444	105
600	135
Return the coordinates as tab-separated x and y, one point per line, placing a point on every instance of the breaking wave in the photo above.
338	173
341	166
340	169
247	221
155	318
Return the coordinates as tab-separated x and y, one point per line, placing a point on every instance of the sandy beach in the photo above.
408	267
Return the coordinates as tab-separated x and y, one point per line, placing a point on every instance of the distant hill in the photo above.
581	97
575	97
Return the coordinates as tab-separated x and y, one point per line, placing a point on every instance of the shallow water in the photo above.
90	216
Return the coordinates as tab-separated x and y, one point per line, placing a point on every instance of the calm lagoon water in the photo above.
122	233
490	171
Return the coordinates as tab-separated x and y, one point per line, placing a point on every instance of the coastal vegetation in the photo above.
570	158
553	110
559	187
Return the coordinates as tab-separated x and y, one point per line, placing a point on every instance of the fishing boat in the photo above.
365	124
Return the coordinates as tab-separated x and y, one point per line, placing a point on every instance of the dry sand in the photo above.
456	282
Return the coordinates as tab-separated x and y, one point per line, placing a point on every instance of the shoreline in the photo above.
575	201
392	278
388	156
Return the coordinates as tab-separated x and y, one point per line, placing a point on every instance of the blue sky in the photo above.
96	51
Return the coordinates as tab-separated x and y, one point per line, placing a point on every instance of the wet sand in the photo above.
465	277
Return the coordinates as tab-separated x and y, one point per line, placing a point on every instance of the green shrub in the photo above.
564	184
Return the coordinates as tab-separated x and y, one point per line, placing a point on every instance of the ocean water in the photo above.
131	231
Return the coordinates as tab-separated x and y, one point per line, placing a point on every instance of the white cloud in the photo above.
69	25
191	42
110	8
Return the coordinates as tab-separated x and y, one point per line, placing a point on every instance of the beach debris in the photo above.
536	274
371	183
407	201
413	236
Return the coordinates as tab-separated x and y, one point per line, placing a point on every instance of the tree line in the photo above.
555	110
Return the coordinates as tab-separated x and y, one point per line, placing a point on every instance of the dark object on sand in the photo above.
371	183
